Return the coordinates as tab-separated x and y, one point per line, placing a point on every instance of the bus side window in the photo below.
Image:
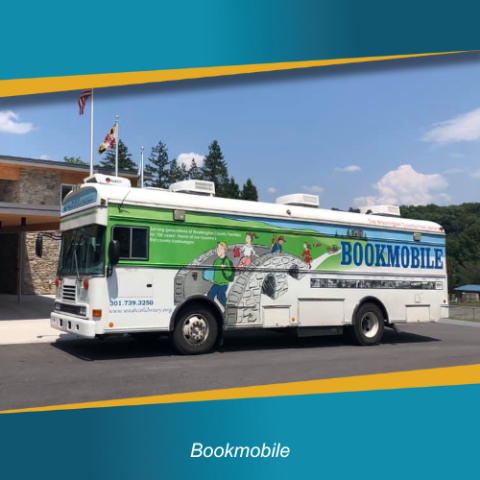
133	242
122	234
140	243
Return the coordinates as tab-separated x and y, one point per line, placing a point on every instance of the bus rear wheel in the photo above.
368	325
196	332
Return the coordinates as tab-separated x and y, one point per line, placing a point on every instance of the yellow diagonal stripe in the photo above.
385	381
29	86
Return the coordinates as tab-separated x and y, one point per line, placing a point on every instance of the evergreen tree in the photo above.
232	189
158	166
184	172
249	191
176	173
215	168
125	161
74	160
194	172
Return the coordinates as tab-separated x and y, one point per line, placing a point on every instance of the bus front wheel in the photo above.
368	325
196	332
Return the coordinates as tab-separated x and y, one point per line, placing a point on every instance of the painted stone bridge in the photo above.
268	275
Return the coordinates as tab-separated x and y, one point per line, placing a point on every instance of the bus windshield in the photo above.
83	251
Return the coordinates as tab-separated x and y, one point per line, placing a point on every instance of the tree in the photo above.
249	191
176	173
125	161
158	166
194	172
74	160
232	189
214	168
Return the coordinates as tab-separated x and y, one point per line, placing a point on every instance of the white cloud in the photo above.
405	186
186	159
272	190
443	198
44	157
457	155
9	123
313	189
349	169
475	174
463	128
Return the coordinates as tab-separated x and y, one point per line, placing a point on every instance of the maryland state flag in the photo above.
109	141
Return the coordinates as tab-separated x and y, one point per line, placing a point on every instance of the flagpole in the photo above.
117	117
141	166
91	136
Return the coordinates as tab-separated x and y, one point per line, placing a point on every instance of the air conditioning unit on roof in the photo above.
196	187
383	210
300	200
108	180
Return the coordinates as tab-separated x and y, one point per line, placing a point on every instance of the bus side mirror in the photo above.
114	252
39	246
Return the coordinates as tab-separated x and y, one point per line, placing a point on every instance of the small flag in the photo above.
109	141
83	99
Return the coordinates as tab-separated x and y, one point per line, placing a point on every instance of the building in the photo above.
31	192
468	293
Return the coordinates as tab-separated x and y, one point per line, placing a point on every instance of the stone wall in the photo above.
40	273
36	187
8	191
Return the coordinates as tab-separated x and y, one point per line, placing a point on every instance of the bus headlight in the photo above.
58	307
438	285
82	311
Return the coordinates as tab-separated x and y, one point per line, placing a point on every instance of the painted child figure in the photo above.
223	275
247	251
278	246
307	255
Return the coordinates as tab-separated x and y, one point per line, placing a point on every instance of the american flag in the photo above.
83	99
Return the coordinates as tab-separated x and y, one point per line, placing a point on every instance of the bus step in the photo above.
318	331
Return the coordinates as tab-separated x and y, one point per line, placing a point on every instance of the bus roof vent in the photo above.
196	187
108	180
299	199
383	210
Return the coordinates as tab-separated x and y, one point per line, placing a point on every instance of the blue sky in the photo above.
405	131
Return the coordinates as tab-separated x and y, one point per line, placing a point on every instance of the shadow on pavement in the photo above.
117	348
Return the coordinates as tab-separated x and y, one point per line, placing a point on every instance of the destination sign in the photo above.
80	199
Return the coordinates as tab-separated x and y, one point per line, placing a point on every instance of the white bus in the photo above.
186	263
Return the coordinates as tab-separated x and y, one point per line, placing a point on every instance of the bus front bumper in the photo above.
79	326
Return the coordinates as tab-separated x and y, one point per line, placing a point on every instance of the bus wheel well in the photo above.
376	302
198	302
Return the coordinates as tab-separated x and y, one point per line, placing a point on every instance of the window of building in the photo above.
133	242
66	189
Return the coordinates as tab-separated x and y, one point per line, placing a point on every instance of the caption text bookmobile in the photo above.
198	450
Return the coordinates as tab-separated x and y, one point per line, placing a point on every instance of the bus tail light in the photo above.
96	313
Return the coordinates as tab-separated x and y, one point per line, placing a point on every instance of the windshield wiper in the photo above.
76	263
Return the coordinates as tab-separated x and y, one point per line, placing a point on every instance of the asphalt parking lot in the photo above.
89	370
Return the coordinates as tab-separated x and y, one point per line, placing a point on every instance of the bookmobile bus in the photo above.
191	265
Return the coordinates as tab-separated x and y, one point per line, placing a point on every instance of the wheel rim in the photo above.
370	324
195	329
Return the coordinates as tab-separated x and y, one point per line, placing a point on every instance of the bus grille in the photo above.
69	292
